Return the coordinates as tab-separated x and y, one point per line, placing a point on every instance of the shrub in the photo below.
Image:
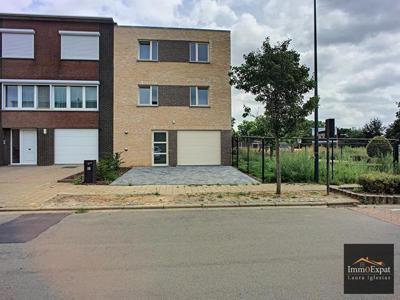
379	146
380	183
107	167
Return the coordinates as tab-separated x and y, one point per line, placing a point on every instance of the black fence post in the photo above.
327	166
395	156
332	156
237	152
263	160
248	155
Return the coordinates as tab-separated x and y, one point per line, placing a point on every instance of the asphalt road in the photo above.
278	253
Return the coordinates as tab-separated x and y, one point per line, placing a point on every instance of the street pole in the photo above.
316	141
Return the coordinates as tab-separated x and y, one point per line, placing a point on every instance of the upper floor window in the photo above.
17	43
198	96
199	52
79	45
148	95
148	50
50	97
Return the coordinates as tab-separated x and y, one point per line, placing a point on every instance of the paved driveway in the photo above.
30	183
184	175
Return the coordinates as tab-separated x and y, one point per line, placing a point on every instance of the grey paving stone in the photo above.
184	175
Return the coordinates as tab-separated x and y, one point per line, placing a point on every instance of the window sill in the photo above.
13	58
80	59
147	60
200	106
50	109
200	62
142	105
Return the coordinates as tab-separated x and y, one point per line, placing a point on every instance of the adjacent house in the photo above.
56	76
172	98
76	88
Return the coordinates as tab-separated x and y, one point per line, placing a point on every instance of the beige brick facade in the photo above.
133	125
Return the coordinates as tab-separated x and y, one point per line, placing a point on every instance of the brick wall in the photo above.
129	73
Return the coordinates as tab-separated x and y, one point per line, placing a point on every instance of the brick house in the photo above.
75	88
172	98
56	76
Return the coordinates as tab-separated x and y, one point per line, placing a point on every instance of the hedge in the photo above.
380	183
379	146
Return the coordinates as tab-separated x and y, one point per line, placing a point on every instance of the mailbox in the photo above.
89	171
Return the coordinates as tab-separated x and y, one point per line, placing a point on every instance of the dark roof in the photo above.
35	17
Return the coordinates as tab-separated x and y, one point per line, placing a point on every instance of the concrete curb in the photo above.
365	198
189	206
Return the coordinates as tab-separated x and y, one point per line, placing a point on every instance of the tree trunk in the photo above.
278	167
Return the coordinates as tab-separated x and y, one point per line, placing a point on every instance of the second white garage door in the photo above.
73	146
199	148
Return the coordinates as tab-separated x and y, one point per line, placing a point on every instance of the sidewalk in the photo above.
69	196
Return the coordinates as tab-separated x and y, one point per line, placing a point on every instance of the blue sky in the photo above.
359	49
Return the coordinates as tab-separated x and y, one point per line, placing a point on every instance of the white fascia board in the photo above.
12	30
40	81
89	33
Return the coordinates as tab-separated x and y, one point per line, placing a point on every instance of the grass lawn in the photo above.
298	166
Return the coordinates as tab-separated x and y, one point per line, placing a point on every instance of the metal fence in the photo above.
342	160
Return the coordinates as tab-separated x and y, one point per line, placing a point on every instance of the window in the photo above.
28	96
148	95
11	95
46	96
91	96
199	52
79	45
148	50
199	96
60	97
17	43
76	97
43	92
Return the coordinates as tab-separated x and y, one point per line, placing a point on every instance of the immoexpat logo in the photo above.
368	269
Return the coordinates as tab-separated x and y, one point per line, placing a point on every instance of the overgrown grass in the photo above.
298	166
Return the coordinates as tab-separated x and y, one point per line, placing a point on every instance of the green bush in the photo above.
380	183
107	167
379	146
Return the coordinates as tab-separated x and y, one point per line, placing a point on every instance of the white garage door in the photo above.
73	146
199	148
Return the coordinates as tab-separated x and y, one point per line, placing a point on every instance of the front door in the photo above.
28	146
160	148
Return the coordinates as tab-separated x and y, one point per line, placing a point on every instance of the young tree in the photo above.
373	128
393	131
275	76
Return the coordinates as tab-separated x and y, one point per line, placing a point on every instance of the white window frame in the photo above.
51	85
79	33
151	50
166	148
151	95
197	52
18	31
197	96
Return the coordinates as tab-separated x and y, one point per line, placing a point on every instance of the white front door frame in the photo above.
27	142
162	153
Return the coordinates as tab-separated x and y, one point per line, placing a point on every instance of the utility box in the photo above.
89	171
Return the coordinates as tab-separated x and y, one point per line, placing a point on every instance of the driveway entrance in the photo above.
29	182
196	175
